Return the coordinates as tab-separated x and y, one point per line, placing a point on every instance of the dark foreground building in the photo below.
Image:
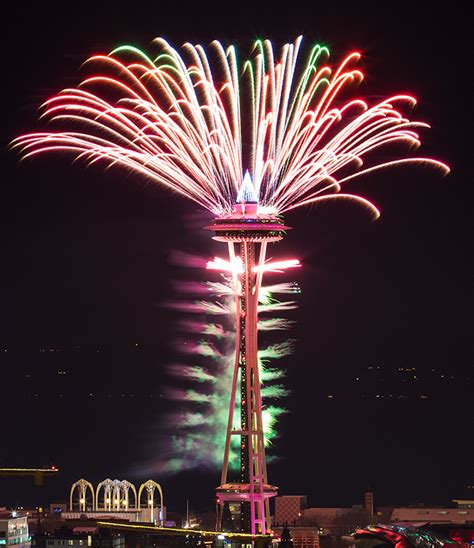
114	534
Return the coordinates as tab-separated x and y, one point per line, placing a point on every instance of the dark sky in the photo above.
86	270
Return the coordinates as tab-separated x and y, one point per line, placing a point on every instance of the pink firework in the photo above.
180	119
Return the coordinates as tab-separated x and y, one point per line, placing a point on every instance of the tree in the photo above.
286	540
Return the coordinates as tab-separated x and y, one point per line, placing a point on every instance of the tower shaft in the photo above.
247	234
252	491
253	469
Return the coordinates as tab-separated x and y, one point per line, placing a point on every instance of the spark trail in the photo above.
176	119
207	347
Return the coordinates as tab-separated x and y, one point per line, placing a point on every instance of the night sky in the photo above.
86	270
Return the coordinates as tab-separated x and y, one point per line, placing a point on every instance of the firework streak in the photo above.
196	122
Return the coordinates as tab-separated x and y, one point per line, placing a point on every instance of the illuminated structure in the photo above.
82	486
37	473
196	421
250	232
170	536
176	119
150	486
403	536
115	495
13	528
115	498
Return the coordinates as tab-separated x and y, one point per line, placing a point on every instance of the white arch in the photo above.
116	494
82	485
126	487
106	485
150	487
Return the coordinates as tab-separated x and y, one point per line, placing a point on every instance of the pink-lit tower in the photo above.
247	233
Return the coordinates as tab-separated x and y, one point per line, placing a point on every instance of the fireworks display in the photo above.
216	130
207	348
249	142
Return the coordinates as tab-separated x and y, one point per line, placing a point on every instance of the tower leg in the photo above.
255	516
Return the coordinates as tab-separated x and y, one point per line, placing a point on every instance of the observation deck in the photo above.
238	492
246	224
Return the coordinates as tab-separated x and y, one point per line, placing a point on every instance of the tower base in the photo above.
242	493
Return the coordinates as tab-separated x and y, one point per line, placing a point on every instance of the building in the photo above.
462	503
422	515
292	510
369	505
302	537
120	534
456	524
115	498
288	509
13	529
61	541
76	537
334	521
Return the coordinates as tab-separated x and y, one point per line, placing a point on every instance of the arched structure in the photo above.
116	495
126	486
107	486
150	487
82	485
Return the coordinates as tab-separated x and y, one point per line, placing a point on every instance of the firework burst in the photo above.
217	131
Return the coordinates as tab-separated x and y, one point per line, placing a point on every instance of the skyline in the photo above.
99	224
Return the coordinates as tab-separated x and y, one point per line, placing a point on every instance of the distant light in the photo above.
221	537
14	514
